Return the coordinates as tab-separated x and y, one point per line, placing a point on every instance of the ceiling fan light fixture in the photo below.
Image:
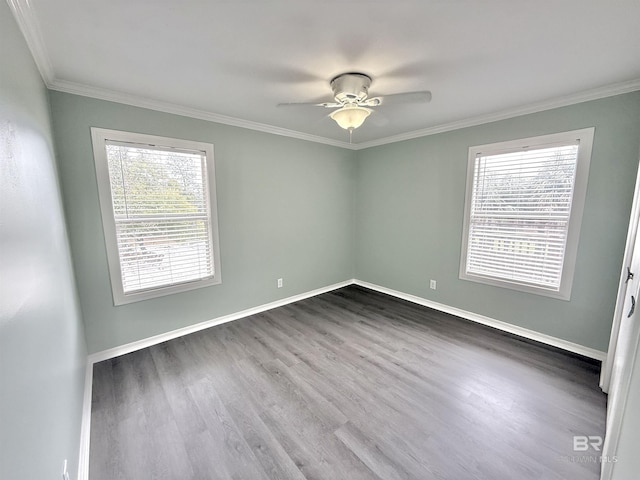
350	116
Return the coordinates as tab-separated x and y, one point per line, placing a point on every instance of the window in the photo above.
157	197
523	211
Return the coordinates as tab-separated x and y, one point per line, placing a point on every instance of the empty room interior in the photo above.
319	240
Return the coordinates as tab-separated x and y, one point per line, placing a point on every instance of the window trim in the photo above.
99	137
585	137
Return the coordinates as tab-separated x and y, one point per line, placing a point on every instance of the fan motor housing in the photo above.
351	87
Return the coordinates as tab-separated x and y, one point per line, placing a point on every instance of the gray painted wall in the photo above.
285	211
316	215
42	348
409	213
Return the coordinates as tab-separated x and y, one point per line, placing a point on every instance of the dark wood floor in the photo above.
348	385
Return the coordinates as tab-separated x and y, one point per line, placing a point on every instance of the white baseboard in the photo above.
180	332
491	322
474	317
85	428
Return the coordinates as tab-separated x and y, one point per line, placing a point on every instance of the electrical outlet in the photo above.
432	284
65	472
279	283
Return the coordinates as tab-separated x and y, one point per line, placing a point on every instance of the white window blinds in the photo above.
519	215
523	210
160	202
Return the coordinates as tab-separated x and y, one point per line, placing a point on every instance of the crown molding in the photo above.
28	23
30	28
584	96
137	101
166	107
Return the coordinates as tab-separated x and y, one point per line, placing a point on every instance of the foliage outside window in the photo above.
523	211
158	209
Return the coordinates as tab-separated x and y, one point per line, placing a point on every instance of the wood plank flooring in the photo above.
353	385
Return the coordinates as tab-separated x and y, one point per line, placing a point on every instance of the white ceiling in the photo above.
235	60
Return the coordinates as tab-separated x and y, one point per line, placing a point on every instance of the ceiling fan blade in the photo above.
370	102
311	104
398	98
331	105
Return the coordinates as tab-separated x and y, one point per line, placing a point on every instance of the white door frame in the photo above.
634	221
617	402
620	388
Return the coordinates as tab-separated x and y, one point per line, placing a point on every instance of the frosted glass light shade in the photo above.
350	116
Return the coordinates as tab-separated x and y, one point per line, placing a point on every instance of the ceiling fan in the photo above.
351	98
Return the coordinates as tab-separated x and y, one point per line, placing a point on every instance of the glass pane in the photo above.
160	203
